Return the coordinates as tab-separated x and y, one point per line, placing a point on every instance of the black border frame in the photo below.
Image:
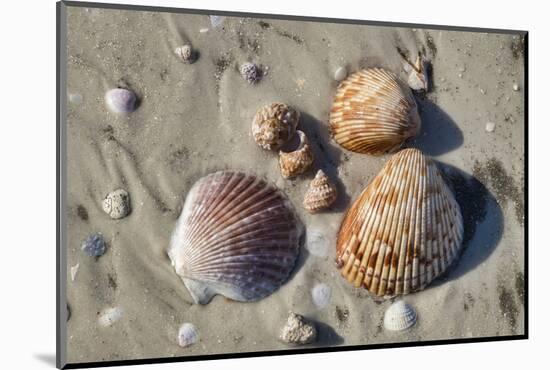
61	267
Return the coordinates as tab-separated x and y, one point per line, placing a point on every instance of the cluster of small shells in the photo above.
274	125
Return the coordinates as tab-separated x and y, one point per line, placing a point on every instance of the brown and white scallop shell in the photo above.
298	161
320	194
403	231
237	236
373	112
274	124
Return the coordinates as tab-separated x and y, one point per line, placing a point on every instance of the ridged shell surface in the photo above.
274	124
403	231
373	112
399	316
298	161
320	194
237	236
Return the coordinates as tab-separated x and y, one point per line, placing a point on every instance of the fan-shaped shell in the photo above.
373	112
403	231
237	236
298	161
274	124
320	194
399	316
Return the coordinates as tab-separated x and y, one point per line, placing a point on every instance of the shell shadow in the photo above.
326	335
439	133
482	218
300	259
327	157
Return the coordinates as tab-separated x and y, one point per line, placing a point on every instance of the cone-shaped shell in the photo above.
399	316
237	236
298	161
320	194
403	231
373	112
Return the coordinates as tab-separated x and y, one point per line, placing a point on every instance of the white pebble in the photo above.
482	91
460	75
203	30
321	294
187	335
340	73
490	127
110	316
120	100
515	87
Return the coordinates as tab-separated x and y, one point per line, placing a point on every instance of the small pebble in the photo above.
490	127
185	53
340	73
298	331
74	270
120	100
117	204
321	294
187	335
94	245
110	316
250	72
75	98
515	87
203	30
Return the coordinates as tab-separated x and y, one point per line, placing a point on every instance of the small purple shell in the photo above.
94	245
121	100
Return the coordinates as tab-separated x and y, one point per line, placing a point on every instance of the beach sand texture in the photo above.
194	119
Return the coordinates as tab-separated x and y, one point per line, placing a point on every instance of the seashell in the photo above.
418	74
121	100
250	72
340	74
187	335
185	53
297	162
110	316
373	113
274	125
94	245
403	231
298	330
399	316
117	204
320	194
237	236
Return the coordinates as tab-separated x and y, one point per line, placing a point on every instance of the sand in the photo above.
194	119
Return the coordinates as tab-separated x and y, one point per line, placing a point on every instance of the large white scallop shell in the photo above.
373	112
403	231
237	236
399	316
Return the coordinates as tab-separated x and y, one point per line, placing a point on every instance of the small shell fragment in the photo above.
320	194
274	124
298	161
185	53
340	73
110	316
117	204
187	335
515	87
250	72
121	101
399	316
74	270
298	330
94	245
490	127
418	76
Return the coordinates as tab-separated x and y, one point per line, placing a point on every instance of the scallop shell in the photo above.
237	236
274	125
187	335
373	113
403	231
297	162
320	194
399	316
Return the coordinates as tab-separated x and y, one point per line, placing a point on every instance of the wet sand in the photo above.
194	119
